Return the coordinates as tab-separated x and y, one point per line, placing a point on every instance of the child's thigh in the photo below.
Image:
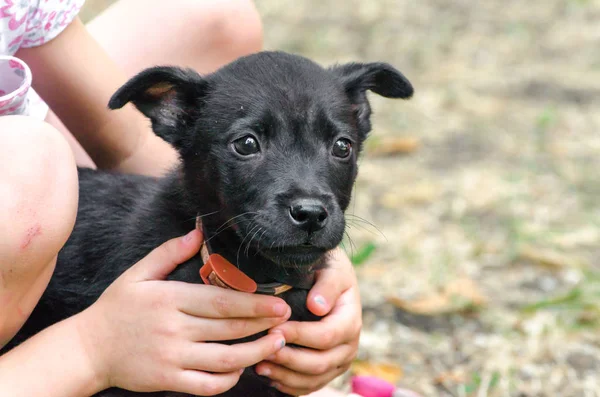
202	34
38	205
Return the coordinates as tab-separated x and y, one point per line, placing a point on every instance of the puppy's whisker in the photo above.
237	255
356	220
344	247
233	218
359	218
251	227
231	222
222	228
216	234
363	227
200	216
221	231
208	214
278	245
250	241
260	238
352	245
242	244
352	248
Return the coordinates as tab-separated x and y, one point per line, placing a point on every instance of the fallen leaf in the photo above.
450	377
589	235
459	295
393	146
549	258
419	193
389	372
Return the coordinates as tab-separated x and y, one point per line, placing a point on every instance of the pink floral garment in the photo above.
23	24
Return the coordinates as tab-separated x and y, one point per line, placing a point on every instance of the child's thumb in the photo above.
165	258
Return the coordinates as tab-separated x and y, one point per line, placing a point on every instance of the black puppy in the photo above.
269	146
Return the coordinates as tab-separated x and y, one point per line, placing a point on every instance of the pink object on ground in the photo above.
328	392
370	386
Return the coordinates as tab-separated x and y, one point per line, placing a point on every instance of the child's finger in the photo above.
203	384
165	258
207	301
203	329
331	282
216	357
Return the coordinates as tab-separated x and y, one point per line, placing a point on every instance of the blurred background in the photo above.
476	228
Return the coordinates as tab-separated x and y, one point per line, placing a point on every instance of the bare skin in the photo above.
38	192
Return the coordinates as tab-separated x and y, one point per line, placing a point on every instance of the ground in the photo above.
480	274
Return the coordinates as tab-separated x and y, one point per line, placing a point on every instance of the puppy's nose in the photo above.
308	215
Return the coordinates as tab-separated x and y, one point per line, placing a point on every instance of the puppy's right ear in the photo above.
170	97
379	77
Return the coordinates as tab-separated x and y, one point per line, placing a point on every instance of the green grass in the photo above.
363	254
475	383
579	307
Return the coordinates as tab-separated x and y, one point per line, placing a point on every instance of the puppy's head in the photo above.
271	139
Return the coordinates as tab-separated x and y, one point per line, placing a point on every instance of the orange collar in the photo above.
220	272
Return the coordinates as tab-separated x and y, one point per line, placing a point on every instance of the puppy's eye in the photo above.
246	145
342	148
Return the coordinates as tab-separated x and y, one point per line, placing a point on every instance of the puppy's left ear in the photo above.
170	97
379	77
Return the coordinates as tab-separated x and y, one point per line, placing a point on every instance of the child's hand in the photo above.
329	345
147	334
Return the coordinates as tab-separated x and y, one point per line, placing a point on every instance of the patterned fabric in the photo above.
24	24
14	86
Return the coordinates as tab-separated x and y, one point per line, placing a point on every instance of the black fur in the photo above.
296	111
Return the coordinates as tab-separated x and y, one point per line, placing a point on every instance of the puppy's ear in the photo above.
169	96
379	77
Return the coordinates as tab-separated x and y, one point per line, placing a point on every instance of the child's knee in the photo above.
38	205
38	195
236	25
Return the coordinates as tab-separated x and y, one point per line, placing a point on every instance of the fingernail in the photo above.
275	385
264	371
319	300
280	309
280	344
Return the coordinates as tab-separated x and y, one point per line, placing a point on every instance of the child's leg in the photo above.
81	157
201	34
38	205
